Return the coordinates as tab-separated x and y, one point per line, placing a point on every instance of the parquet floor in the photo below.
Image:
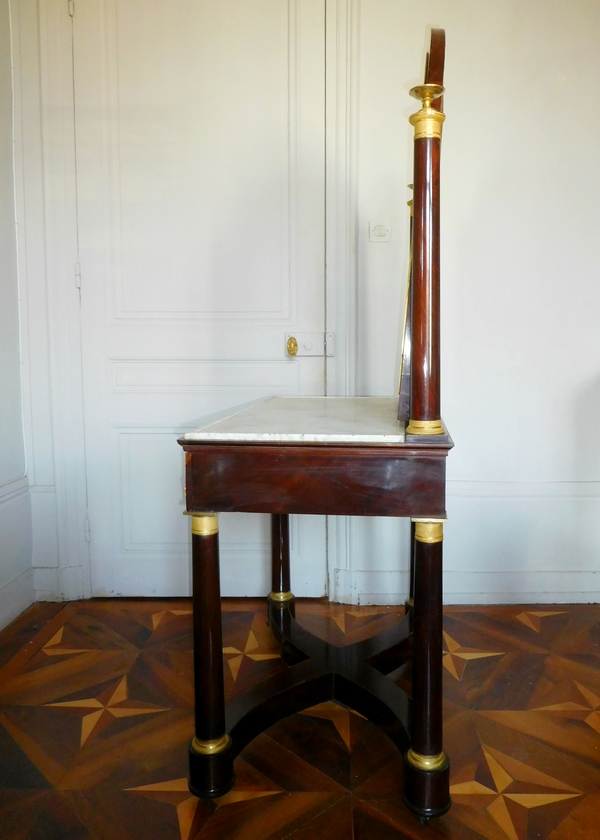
96	711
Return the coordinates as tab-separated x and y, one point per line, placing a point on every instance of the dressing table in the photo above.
351	456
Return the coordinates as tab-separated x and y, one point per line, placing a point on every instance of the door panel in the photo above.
200	171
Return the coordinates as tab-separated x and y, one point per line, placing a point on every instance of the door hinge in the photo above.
329	344
78	275
71	7
86	528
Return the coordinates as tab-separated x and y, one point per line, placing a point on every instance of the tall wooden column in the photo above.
211	763
425	304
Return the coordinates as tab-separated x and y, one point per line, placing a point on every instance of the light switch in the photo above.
380	232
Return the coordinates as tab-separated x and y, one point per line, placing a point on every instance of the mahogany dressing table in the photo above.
361	456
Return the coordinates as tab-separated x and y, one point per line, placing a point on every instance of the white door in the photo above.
200	173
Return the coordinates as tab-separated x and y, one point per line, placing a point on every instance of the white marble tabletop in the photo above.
370	420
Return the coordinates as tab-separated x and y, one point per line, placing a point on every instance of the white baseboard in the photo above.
16	578
522	587
44	525
539	587
63	584
46	586
504	543
370	587
15	597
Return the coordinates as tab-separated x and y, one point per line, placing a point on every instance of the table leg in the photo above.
426	765
410	601
280	556
211	761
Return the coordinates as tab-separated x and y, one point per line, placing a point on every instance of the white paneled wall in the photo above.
16	581
521	344
520	287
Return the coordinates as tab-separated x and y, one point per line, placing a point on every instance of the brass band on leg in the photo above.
217	745
429	530
281	597
204	523
425	427
426	762
409	603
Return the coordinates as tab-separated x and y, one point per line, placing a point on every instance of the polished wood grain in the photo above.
425	326
280	553
22	628
521	714
427	793
210	775
427	649
434	65
283	478
423	238
405	361
393	480
208	643
411	589
425	360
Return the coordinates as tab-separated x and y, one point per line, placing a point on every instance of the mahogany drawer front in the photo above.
357	481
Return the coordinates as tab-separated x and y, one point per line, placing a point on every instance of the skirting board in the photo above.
63	584
522	587
15	597
515	587
374	587
244	574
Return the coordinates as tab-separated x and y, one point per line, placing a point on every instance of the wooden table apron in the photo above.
353	480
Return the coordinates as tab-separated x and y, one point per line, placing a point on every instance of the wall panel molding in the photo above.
341	185
198	375
62	442
121	162
342	115
14	489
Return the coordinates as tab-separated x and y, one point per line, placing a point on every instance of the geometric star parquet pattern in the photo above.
96	709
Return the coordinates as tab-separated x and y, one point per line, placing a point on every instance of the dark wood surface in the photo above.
521	704
426	174
393	480
425	272
425	326
280	479
434	68
280	553
326	672
411	590
208	644
426	729
291	478
405	361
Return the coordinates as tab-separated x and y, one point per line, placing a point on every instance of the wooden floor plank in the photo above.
96	709
16	635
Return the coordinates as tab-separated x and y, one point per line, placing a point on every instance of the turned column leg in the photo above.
282	604
211	761
426	764
280	559
410	601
